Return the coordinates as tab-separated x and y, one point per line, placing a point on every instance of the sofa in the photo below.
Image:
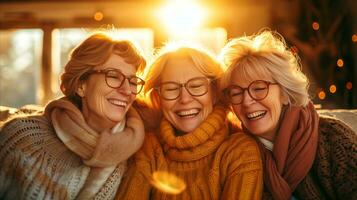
349	116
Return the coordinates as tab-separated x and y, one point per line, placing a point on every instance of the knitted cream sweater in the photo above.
212	164
35	164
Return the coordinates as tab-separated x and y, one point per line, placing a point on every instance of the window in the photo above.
20	66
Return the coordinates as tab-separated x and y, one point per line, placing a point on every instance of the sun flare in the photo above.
182	15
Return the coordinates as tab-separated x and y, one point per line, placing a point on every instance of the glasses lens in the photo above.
136	84
170	90
258	90
235	94
197	86
114	78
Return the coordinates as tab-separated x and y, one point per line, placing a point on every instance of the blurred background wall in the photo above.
36	37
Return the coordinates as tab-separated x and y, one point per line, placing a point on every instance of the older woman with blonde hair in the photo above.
192	142
78	148
306	156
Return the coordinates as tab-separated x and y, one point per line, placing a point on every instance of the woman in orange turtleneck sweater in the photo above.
193	140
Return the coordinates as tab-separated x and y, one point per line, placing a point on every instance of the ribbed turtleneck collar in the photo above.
195	145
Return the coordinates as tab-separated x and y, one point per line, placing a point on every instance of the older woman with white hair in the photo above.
306	156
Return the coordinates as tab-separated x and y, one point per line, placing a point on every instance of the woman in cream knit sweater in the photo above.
78	148
192	141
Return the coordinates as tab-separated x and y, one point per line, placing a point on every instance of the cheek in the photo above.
276	111
236	110
207	105
132	98
166	107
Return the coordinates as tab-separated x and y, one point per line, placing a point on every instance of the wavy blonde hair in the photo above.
92	52
265	54
203	60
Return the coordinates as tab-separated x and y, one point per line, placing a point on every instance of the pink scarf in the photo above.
294	151
95	149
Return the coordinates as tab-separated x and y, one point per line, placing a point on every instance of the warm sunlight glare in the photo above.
181	15
168	182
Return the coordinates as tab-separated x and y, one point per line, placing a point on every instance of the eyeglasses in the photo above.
257	90
195	87
115	79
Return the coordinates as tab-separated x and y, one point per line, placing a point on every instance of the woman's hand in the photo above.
112	148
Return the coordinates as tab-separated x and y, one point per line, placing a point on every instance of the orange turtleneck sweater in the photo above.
213	164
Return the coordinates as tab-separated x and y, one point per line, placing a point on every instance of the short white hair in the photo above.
265	54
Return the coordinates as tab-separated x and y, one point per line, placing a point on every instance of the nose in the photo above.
185	97
125	88
247	99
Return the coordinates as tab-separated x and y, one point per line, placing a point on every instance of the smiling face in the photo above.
103	106
186	112
261	118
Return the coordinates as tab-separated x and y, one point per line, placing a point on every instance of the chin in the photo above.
117	118
257	132
187	128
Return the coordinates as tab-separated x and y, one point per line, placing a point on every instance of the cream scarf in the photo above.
79	137
101	152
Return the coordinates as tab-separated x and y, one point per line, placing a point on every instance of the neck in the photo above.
271	135
179	133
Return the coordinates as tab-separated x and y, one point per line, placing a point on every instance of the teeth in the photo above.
118	102
188	112
255	114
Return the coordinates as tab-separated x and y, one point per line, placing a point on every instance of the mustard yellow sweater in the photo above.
212	164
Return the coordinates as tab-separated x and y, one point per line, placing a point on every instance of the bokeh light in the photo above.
349	85
333	89
354	38
340	63
315	26
322	95
98	16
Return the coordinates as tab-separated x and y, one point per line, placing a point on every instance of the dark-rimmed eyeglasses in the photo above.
257	90
115	79
195	87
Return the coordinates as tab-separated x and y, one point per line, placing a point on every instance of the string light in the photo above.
340	62
333	89
322	95
315	26
98	16
349	85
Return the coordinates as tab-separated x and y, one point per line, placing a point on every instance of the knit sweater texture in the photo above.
333	174
35	164
213	164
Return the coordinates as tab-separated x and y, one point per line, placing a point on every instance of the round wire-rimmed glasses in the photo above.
257	90
197	86
115	79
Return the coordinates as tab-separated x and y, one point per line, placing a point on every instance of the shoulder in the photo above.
151	139
240	141
150	147
30	135
25	127
240	147
336	161
335	132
